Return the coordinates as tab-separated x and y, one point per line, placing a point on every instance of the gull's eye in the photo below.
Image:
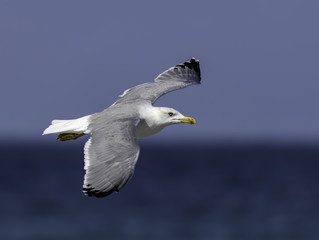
170	114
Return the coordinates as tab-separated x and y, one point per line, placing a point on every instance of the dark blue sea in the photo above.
183	191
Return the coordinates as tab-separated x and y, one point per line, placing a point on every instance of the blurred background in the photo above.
247	170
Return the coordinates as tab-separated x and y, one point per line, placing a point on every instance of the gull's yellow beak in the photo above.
187	120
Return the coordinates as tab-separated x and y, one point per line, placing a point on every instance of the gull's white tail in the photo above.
79	125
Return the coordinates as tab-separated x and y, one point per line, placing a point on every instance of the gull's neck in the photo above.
150	121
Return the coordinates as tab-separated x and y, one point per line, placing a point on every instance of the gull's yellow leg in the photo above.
69	136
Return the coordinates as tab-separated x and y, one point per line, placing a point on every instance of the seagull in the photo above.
112	150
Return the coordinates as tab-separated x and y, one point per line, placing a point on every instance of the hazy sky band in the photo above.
259	63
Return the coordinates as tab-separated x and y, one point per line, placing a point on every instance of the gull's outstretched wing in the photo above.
177	77
110	157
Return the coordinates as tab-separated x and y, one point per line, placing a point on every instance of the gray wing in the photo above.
177	77
110	157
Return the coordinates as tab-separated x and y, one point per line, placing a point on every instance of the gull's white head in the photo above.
154	119
168	116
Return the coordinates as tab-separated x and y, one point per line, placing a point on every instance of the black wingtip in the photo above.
91	192
192	64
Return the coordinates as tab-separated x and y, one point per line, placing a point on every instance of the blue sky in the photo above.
259	63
